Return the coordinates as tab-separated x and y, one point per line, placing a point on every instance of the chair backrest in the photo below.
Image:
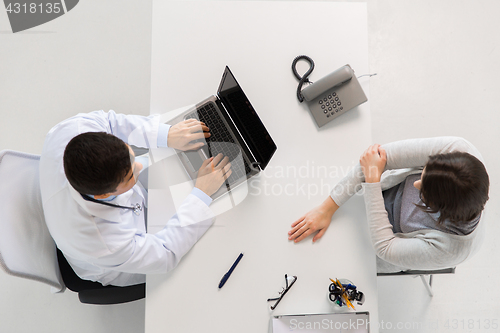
26	248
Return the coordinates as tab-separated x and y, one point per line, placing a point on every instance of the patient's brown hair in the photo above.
456	185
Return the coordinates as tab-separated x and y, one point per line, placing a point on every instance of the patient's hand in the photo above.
317	219
182	135
373	163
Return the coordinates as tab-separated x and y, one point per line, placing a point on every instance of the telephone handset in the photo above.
331	96
332	80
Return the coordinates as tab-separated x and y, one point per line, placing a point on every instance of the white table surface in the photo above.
192	42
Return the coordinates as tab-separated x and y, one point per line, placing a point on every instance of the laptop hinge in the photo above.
239	137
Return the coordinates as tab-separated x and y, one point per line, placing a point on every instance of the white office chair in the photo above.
26	248
422	274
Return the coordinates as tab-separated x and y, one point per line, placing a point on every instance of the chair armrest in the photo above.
416	272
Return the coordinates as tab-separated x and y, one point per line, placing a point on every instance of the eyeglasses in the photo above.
283	291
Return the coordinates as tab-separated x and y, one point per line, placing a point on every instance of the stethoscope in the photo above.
137	208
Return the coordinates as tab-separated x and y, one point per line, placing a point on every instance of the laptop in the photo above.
236	131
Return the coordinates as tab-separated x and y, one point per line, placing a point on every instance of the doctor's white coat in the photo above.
108	244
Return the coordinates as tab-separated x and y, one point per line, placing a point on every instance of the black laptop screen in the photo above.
246	119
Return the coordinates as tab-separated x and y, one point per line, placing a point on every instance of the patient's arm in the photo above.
317	219
412	153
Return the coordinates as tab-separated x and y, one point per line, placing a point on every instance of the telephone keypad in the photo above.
331	104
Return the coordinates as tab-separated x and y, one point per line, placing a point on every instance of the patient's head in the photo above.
455	185
97	163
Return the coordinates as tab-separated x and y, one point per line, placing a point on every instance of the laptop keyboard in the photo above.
221	140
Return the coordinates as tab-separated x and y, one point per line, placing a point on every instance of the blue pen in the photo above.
228	274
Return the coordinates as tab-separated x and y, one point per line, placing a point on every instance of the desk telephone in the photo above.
331	96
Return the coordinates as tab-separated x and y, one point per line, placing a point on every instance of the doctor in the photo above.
94	207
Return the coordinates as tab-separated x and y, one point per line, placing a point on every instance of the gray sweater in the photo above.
424	249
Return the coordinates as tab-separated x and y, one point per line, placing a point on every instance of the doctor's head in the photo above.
100	164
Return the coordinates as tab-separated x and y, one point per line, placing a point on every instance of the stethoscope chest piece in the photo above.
137	209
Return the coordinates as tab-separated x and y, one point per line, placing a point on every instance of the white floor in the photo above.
437	74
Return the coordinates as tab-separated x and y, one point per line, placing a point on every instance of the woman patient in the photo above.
423	197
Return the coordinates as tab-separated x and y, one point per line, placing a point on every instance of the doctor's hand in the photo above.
182	135
212	174
373	163
317	219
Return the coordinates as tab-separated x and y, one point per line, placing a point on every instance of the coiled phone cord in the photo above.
302	79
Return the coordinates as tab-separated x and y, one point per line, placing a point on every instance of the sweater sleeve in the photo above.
412	153
430	251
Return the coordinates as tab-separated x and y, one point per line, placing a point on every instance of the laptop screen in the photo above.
246	119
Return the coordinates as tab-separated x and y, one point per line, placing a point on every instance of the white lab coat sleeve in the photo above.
161	252
137	130
404	154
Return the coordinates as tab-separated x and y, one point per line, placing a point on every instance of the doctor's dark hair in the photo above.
456	185
96	162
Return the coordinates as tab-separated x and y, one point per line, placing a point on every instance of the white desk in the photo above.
192	42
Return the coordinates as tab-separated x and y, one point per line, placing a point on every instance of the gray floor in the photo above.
438	74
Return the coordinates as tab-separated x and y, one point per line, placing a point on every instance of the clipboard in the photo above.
352	322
